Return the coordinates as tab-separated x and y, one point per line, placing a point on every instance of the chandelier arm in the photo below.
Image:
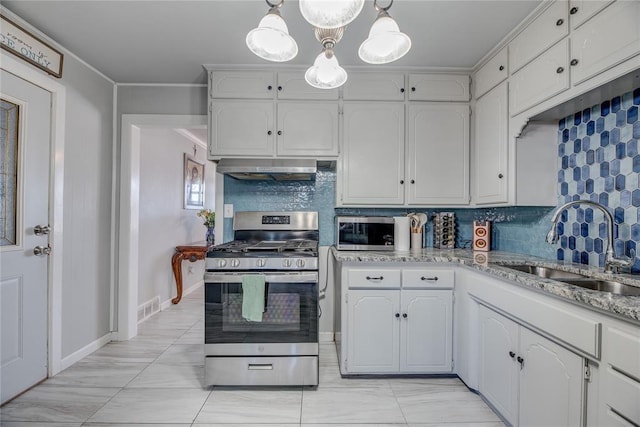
279	4
380	8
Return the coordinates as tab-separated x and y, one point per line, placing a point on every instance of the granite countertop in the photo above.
622	306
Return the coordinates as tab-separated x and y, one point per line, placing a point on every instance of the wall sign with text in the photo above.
18	41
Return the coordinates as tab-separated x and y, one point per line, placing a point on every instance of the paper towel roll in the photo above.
401	233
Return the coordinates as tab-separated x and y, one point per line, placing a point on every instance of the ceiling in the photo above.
165	41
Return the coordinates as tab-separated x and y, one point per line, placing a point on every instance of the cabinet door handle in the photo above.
279	132
574	62
375	278
401	90
573	10
433	279
280	88
512	354
397	315
269	132
413	89
500	176
520	361
413	181
559	22
560	70
269	87
402	181
501	68
404	315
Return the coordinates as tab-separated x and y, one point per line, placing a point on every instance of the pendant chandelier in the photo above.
385	44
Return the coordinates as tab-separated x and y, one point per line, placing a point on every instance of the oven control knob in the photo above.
286	263
300	263
222	263
235	262
261	262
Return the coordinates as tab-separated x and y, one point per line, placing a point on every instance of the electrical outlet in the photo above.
228	211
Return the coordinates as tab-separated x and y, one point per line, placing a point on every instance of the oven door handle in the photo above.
307	277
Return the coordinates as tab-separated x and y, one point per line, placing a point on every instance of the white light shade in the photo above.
330	13
326	73
271	40
385	42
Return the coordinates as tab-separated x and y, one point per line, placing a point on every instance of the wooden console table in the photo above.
191	253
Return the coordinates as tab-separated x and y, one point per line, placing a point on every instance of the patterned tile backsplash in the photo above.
599	161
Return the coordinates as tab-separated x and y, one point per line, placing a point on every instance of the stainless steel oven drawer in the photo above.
261	371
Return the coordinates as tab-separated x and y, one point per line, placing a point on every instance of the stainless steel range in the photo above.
261	302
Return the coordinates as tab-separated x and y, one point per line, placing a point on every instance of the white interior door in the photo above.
25	123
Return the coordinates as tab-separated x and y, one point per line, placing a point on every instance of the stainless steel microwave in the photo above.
364	233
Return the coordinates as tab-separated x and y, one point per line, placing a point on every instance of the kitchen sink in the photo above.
605	286
576	279
546	272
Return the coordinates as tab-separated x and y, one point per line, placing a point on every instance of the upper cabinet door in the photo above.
492	73
292	85
438	154
372	163
241	128
242	84
363	86
581	10
438	87
307	129
551	26
606	40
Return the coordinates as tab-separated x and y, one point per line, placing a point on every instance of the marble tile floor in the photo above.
156	380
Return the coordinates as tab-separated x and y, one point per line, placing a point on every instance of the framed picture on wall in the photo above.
193	183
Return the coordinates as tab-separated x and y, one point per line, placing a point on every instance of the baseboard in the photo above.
84	352
186	291
326	337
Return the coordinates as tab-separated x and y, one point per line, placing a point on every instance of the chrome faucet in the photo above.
611	263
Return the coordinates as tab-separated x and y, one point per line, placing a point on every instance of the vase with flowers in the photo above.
209	218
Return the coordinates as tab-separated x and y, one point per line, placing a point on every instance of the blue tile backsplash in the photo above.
599	161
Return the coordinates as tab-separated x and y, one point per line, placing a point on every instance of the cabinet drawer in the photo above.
426	278
623	351
372	278
622	394
438	87
364	86
491	73
547	29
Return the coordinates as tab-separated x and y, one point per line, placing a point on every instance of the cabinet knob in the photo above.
512	354
269	87
279	132
397	314
559	22
401	90
402	181
413	89
520	361
269	132
560	70
280	88
574	62
501	68
573	10
413	181
404	315
500	176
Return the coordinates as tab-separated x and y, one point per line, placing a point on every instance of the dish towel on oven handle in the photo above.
253	286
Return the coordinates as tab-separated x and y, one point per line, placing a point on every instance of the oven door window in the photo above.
290	314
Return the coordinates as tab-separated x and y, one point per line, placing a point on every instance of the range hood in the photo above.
269	169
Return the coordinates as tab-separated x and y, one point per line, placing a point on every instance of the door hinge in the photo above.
587	372
346	297
470	111
453	364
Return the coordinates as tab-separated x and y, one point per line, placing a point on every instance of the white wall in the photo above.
164	224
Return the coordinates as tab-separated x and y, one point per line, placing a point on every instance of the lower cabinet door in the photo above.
551	383
373	339
426	331
499	370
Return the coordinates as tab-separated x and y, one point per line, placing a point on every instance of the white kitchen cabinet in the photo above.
292	85
529	379
242	84
492	73
375	86
544	77
581	10
307	129
490	147
546	30
594	50
439	87
438	154
371	168
254	128
241	128
396	321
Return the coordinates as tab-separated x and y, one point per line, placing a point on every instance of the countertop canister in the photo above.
401	233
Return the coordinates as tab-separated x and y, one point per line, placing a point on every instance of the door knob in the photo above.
42	250
41	230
